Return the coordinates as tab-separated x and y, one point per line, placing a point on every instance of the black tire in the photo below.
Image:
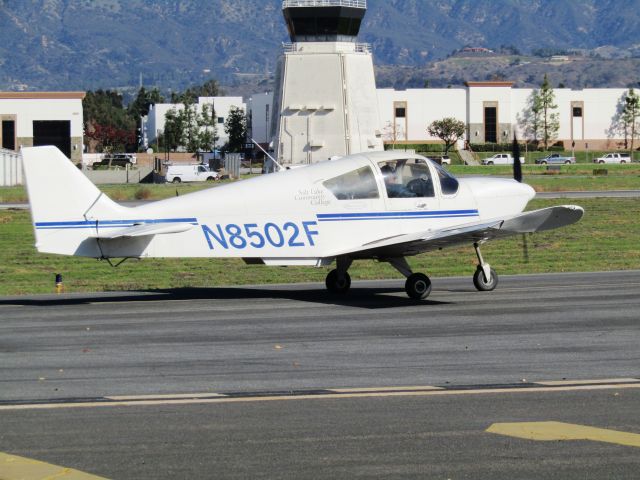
418	286
623	161
489	163
337	285
176	180
601	161
543	163
567	162
481	284
210	179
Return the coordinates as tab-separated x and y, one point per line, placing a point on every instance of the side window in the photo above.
407	178
356	185
448	183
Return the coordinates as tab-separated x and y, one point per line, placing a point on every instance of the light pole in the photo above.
214	120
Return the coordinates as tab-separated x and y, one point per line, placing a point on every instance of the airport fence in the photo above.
10	168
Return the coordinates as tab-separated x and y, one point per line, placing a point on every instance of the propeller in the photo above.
515	153
517	175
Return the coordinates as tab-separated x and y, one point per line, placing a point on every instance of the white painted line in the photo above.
334	396
383	389
164	397
551	383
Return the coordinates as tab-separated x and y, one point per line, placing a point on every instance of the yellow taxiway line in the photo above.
550	431
13	467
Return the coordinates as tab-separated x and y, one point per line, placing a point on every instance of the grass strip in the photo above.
608	238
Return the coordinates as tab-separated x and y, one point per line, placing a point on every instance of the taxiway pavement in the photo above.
277	355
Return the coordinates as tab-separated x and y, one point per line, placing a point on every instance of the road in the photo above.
289	382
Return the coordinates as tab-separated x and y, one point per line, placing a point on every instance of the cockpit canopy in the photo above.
402	178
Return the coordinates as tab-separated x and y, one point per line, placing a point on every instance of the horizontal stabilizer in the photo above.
143	230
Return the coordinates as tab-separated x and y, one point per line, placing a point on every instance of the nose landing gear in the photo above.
485	279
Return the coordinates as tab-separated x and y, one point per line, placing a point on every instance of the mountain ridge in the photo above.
89	44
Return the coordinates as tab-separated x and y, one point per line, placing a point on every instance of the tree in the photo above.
236	128
529	119
209	89
538	120
190	128
173	130
449	130
109	138
104	114
630	116
544	103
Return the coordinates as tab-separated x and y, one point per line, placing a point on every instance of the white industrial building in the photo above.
492	110
153	124
42	118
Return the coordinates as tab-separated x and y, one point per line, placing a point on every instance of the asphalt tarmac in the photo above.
290	382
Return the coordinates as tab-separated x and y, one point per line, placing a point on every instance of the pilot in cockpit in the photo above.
394	188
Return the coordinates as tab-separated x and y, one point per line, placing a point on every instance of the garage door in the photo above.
53	132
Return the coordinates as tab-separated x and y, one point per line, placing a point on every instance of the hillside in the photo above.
89	44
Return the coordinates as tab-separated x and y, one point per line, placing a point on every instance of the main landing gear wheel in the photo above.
418	286
336	283
481	282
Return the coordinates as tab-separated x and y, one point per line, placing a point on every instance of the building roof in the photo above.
42	95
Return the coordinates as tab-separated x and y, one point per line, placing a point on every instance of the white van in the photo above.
190	173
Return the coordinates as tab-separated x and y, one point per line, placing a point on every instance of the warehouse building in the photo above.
588	118
42	118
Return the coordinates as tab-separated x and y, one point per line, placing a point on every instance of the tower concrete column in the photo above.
325	104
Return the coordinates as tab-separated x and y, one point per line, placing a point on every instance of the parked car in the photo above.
500	159
116	160
555	159
613	158
441	159
190	173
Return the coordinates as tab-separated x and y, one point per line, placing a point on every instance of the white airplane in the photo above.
385	206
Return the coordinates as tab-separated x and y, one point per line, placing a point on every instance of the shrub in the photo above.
494	147
142	193
418	147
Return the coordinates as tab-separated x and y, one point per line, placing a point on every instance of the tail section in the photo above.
64	203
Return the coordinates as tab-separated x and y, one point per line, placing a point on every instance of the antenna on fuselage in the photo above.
267	154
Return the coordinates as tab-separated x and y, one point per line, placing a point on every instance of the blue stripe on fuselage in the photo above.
348	217
111	223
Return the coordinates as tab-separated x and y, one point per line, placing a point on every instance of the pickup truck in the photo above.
500	159
555	159
613	158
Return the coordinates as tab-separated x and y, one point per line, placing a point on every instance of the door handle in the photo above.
421	204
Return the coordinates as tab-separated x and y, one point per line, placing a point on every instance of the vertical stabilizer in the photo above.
63	200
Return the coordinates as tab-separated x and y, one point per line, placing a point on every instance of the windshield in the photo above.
448	183
407	178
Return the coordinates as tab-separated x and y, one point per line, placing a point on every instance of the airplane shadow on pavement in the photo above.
368	298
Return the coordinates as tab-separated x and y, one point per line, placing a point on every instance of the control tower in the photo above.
325	85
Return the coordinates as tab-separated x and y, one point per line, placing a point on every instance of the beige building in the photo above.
42	118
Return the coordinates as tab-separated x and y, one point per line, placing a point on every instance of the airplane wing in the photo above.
143	230
415	243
